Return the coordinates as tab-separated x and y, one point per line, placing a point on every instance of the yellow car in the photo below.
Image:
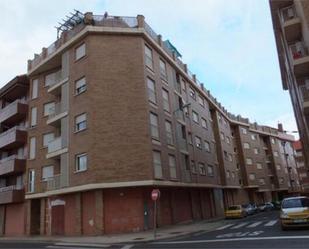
294	212
236	211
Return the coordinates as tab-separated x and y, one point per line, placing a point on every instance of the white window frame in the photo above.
32	148
78	167
35	89
47	172
77	124
80	51
154	125
80	86
46	141
157	164
34	116
151	87
49	108
172	166
31	180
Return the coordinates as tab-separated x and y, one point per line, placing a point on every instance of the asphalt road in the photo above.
258	231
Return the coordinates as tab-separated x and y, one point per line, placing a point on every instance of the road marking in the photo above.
271	223
232	239
127	247
255	224
69	247
80	245
226	226
239	234
240	225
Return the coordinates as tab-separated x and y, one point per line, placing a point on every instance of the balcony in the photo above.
14	112
12	194
56	148
55	88
305	97
300	56
12	165
56	182
291	23
13	138
59	113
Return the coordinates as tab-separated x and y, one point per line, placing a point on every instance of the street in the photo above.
257	231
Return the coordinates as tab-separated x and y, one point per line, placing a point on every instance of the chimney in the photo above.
280	127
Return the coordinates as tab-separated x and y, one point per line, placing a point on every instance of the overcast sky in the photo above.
228	44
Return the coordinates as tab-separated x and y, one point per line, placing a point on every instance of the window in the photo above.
272	140
80	122
193	167
172	166
151	91
195	117
157	164
31	180
47	138
207	146
246	146
256	151
163	69
190	138
154	126
281	180
252	176
204	123
35	88
225	155
222	136
202	169
80	86
230	157
228	140
210	170
248	161
80	51
278	166
49	108
201	100
81	162
183	85
166	101
233	175
253	136
169	132
198	142
32	148
259	166
243	130
192	93
148	57
34	112
276	153
228	174
262	181
47	172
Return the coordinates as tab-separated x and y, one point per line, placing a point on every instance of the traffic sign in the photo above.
155	194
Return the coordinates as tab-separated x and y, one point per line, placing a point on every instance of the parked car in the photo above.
236	211
254	207
277	204
294	212
248	208
267	206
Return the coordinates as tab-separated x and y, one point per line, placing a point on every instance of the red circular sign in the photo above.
155	194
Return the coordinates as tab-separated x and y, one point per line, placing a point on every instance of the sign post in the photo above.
155	195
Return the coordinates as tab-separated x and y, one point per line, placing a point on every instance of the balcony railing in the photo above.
11	194
53	183
55	145
12	165
304	93
14	111
15	136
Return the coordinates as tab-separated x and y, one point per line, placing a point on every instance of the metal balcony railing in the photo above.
53	183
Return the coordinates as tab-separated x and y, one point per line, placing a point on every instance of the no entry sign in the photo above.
155	194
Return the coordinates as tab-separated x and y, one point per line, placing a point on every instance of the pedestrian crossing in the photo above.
253	224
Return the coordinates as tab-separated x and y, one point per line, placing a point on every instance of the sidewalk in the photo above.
167	232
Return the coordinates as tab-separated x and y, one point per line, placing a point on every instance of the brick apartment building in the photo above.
13	149
114	113
302	168
291	22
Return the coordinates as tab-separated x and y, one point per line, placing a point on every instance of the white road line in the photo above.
127	247
255	224
82	245
240	225
68	247
226	226
271	223
233	239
